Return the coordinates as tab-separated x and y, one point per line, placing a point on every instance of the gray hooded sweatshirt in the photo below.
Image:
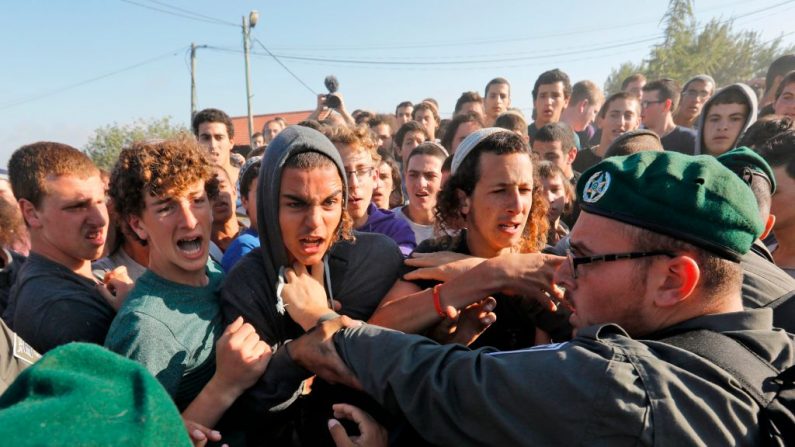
750	118
359	273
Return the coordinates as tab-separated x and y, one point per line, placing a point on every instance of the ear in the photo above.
668	105
771	220
571	155
29	213
464	199
137	226
566	102
678	281
583	105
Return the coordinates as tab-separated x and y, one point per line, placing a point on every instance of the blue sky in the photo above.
73	66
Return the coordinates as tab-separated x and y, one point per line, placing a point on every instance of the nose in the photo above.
550	197
313	218
564	276
99	215
187	218
513	202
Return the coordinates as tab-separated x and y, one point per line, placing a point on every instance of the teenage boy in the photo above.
619	114
725	117
695	93
360	159
423	181
427	114
551	94
658	101
785	96
497	99
579	114
55	299
215	133
171	320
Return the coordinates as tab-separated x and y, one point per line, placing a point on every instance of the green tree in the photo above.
714	48
106	143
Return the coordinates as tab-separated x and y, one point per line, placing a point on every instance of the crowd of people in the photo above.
591	274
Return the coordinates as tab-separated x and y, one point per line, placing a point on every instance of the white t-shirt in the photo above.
421	232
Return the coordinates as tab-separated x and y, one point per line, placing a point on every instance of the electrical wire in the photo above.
285	67
88	81
184	16
193	13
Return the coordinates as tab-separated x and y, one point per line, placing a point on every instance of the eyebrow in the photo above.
306	200
77	203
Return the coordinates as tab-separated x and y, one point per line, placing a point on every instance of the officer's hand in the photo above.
529	275
372	434
440	266
316	352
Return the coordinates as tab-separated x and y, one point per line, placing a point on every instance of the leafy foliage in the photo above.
106	144
714	49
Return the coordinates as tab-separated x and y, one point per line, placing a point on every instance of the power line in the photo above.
285	67
87	81
184	16
193	13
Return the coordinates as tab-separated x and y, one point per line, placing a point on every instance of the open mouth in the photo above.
190	246
509	228
95	237
311	244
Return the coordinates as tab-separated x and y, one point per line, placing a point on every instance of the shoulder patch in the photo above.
24	351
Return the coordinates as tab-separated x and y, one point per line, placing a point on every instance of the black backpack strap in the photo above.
756	376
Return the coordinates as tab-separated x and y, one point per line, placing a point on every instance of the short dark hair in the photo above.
30	165
559	131
774	140
551	77
457	121
425	105
256	134
380	119
212	116
789	78
312	124
496	81
511	120
667	88
411	126
428	148
403	104
632	78
465	98
251	173
779	67
730	96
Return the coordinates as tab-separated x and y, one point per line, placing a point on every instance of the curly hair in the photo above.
157	168
449	216
358	137
11	224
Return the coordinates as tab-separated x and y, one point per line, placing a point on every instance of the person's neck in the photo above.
420	216
137	252
81	267
666	127
491	120
784	255
574	121
223	233
684	120
360	221
600	149
177	275
479	248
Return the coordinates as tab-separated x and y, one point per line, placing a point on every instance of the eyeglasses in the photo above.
574	261
647	103
700	94
359	173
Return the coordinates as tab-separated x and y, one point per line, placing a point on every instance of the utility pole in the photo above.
253	16
193	98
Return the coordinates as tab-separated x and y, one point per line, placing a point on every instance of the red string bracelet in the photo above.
437	300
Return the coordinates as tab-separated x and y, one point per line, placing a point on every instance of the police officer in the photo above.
656	252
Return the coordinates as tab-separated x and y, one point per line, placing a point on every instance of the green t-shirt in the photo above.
171	329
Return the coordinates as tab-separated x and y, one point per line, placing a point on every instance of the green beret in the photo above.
744	162
83	394
691	198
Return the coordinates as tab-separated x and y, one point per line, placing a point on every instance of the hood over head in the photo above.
289	142
750	118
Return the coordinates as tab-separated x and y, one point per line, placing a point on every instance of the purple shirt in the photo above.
389	224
